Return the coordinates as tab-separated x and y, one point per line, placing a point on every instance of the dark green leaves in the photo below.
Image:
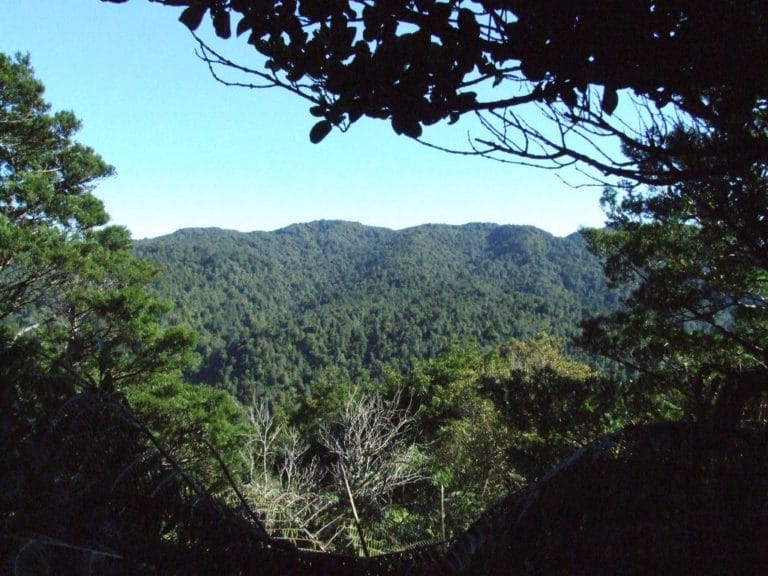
44	212
193	16
318	111
396	295
221	23
243	26
318	10
691	257
407	125
73	312
375	59
610	100
533	68
468	26
569	96
320	131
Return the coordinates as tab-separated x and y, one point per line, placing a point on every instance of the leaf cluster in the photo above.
420	62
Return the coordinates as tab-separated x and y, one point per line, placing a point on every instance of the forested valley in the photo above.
419	348
273	310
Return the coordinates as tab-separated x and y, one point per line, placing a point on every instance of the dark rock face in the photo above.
671	498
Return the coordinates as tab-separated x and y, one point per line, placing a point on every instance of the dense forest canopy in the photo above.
275	309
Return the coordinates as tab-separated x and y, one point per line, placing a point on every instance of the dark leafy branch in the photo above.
631	71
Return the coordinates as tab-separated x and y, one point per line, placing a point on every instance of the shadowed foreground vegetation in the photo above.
662	499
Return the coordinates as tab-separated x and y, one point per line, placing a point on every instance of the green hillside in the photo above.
274	309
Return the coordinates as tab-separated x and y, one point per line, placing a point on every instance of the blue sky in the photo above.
190	152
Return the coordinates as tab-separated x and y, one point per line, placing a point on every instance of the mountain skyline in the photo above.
341	221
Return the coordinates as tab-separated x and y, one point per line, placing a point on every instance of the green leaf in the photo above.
406	125
221	24
317	111
320	131
243	25
192	17
610	100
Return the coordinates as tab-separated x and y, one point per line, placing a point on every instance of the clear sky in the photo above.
190	152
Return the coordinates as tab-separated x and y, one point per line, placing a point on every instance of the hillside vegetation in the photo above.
274	309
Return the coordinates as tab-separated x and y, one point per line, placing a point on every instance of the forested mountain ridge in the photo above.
276	308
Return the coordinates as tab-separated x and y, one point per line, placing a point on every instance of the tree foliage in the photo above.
74	316
692	248
48	212
498	420
276	310
694	255
202	427
679	88
664	498
421	455
331	481
416	63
